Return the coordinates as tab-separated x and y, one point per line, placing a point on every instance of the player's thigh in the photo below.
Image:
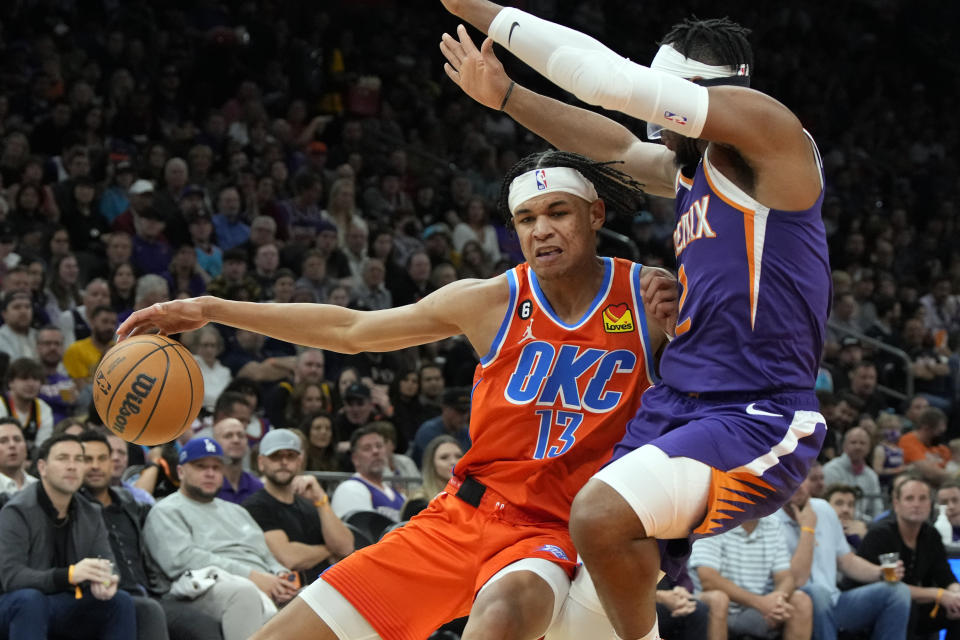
525	595
299	621
668	495
413	580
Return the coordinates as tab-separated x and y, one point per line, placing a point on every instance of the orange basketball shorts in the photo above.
428	572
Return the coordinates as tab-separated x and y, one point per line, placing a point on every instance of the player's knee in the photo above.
601	519
495	618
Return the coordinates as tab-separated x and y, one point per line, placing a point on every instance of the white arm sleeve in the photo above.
595	74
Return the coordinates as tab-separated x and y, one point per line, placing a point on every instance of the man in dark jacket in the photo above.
56	570
123	516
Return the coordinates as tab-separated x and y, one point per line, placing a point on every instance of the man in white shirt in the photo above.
17	337
13	455
751	564
25	376
366	490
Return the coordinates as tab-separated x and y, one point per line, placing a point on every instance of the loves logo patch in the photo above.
617	318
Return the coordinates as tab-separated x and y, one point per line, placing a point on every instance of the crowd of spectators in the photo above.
294	152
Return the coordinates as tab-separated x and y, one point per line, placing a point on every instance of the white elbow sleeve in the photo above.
586	68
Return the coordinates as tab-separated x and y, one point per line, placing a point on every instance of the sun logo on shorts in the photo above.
554	550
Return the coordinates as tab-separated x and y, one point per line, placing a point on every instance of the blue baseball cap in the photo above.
200	448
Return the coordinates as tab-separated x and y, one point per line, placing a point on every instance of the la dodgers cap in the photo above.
200	448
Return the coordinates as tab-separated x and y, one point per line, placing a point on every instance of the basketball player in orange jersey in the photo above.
730	432
567	350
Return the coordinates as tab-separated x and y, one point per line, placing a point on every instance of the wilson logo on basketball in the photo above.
617	318
139	391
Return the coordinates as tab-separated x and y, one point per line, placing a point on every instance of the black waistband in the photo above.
471	491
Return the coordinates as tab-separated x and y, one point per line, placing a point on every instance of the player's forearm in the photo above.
321	326
589	70
569	128
479	13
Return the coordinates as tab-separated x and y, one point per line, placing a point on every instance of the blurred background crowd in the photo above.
315	152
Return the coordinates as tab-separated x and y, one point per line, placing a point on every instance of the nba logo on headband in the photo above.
541	180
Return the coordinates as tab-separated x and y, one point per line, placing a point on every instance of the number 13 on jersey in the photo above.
567	421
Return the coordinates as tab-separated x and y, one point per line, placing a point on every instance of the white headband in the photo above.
669	60
550	180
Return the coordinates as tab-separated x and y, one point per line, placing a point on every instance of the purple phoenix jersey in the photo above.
737	381
755	291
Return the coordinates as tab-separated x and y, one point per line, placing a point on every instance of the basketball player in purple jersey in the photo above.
730	432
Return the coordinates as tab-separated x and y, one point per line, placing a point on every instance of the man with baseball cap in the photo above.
294	511
141	196
193	529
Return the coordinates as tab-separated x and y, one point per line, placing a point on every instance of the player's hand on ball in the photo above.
477	71
175	316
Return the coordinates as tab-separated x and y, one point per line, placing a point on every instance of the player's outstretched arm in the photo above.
460	307
767	135
482	77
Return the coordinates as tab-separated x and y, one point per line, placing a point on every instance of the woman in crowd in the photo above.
477	228
321	450
207	345
305	399
474	262
408	412
439	458
63	291
342	208
123	283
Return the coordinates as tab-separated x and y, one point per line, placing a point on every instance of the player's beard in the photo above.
687	153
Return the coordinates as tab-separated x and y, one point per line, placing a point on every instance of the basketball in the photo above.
148	389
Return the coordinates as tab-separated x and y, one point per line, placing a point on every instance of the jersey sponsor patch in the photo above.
555	551
617	318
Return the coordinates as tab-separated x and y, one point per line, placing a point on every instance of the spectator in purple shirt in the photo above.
238	485
58	389
151	251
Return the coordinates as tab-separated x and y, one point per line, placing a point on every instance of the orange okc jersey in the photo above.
551	399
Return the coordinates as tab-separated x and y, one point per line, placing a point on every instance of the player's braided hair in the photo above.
717	41
618	190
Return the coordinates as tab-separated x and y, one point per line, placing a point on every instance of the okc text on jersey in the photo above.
545	375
